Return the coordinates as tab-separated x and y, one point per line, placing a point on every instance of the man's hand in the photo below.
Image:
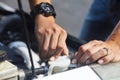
102	52
51	38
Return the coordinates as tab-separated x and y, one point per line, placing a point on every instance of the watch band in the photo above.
43	8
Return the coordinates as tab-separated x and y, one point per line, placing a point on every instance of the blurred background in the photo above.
70	13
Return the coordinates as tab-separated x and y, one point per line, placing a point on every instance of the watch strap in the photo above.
43	8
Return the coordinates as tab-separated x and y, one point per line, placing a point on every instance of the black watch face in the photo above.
47	8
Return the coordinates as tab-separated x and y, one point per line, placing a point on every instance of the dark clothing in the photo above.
101	19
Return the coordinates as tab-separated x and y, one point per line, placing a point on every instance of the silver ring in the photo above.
106	49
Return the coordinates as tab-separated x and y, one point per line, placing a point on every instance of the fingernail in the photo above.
100	61
74	61
88	62
52	59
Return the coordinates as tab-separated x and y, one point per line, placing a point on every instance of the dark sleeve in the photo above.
97	23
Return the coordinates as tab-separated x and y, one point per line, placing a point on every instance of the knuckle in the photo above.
55	30
89	52
60	46
49	31
40	32
63	32
45	49
52	48
100	41
95	41
81	48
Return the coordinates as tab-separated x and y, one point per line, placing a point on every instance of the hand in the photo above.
102	52
51	38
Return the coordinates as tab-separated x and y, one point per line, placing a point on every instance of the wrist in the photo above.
39	1
46	19
112	43
114	47
35	2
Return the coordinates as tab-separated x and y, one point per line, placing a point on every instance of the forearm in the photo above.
115	36
34	2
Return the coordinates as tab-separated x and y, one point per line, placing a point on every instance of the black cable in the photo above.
27	37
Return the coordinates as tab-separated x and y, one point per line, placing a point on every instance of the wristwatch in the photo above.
43	8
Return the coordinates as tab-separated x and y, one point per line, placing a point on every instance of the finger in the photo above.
95	48
74	60
40	39
96	56
61	47
83	59
88	45
106	59
45	46
92	53
82	49
53	44
76	57
56	55
65	50
62	43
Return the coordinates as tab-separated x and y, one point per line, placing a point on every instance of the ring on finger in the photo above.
107	50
